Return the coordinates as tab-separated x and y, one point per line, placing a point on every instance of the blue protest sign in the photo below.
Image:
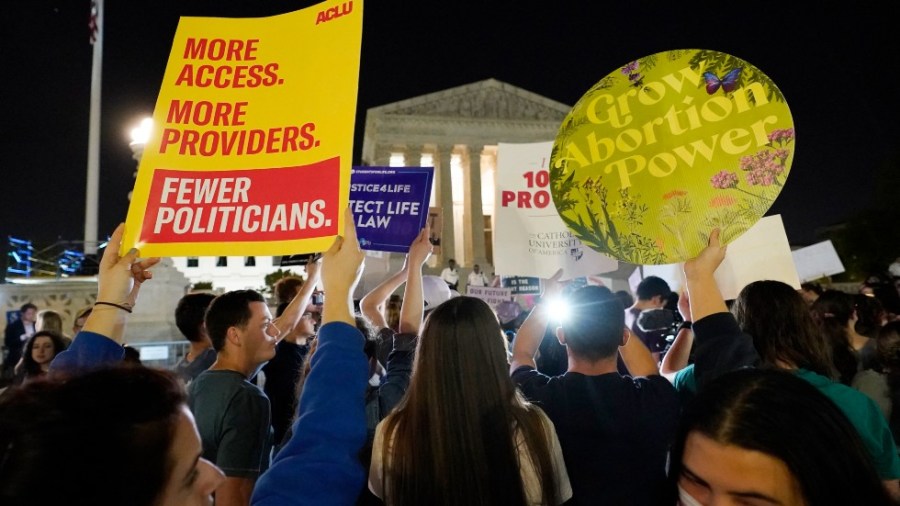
390	205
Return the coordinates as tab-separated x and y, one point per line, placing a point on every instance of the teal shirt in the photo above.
684	381
862	412
866	416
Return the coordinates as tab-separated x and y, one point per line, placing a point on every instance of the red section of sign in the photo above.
280	204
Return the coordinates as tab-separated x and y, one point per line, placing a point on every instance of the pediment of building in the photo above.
489	99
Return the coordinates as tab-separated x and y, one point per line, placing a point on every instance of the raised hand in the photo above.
120	278
705	297
342	266
708	260
552	287
313	270
420	249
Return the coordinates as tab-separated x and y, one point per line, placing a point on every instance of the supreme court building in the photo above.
456	131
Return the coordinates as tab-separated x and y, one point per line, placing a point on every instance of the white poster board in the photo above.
817	261
530	239
493	296
673	274
634	280
762	252
148	353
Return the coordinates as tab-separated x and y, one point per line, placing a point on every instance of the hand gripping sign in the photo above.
668	147
389	205
252	141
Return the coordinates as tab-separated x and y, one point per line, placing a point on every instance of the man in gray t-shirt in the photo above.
232	417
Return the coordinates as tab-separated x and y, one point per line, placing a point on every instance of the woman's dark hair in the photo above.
887	349
869	315
783	416
109	434
833	311
189	314
452	439
32	368
625	297
783	331
812	287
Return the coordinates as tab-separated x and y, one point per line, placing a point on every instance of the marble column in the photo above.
412	155
382	156
444	200
474	214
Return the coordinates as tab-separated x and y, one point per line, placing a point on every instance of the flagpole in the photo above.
92	194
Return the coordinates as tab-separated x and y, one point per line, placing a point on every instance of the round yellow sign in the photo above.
664	149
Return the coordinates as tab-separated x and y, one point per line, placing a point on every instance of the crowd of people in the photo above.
778	397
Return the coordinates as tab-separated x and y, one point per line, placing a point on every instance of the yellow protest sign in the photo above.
253	136
667	147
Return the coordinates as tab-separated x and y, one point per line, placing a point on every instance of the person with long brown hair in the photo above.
851	351
463	434
40	350
771	327
758	436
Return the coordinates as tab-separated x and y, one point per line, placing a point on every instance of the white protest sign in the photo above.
762	252
148	353
673	274
530	239
817	261
634	280
493	296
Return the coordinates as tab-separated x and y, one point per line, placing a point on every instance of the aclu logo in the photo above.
334	12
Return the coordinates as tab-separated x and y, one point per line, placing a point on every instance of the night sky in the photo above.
835	66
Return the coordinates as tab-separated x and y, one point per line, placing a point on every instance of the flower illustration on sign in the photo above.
722	201
666	146
764	168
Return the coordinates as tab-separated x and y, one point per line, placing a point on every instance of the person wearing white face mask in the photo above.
765	437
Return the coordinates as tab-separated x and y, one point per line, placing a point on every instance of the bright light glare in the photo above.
558	309
141	134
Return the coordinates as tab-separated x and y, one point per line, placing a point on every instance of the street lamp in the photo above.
139	137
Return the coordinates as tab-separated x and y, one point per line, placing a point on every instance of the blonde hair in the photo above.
49	320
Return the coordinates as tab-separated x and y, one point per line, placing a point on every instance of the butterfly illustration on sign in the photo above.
727	83
634	76
576	253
